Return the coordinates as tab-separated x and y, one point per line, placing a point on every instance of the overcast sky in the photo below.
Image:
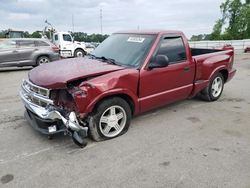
190	16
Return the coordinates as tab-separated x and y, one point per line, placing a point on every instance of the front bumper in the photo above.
42	125
41	113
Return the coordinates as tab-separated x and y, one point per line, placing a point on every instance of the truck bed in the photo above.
201	51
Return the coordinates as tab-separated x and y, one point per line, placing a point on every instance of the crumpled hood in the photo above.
55	75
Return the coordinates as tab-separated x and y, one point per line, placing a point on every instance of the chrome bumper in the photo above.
46	111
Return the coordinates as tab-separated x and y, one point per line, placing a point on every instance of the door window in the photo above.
41	43
7	44
173	48
67	38
26	43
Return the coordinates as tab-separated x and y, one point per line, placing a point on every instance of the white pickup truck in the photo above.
68	47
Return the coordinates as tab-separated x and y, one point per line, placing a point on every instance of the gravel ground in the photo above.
187	144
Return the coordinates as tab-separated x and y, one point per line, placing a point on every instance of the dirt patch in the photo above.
232	100
194	119
233	133
166	163
11	119
215	149
7	178
18	126
9	98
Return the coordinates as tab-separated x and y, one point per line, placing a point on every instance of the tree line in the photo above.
234	23
78	36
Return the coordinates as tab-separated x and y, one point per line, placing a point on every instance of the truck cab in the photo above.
68	47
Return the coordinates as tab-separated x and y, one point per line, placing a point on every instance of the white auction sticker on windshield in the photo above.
136	39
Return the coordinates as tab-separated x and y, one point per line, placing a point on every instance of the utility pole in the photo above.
101	19
51	30
73	26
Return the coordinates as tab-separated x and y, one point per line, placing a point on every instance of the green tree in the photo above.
200	37
26	34
36	34
235	19
84	37
216	34
3	33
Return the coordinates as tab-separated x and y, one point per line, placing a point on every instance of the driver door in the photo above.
67	45
160	86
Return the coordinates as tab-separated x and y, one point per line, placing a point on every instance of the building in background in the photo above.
14	34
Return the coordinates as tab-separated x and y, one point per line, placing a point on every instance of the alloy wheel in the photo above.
112	121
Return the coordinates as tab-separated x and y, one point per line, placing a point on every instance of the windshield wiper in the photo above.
92	56
105	59
109	60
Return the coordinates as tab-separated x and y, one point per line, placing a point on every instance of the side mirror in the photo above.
158	62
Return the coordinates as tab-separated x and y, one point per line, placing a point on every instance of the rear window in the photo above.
41	43
174	48
26	43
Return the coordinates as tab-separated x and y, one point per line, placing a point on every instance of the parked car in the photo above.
95	44
247	49
127	74
27	52
88	47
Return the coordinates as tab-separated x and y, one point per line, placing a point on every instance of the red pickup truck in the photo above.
128	74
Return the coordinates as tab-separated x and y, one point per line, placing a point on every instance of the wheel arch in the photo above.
223	70
224	73
125	96
78	48
41	55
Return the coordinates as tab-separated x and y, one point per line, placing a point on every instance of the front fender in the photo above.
122	82
114	92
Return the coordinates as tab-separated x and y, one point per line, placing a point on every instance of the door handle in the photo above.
186	69
14	51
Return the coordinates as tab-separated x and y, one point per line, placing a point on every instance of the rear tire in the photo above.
110	119
214	90
42	60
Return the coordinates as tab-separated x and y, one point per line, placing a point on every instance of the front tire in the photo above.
110	119
79	53
215	88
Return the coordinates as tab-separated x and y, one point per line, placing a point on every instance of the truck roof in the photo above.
151	32
27	38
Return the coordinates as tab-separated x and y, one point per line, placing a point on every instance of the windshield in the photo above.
125	49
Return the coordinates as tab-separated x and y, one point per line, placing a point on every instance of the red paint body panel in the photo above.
120	82
57	74
147	89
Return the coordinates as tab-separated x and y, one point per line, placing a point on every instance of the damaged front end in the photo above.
52	111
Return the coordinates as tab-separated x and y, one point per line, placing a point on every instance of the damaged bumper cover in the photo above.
43	116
